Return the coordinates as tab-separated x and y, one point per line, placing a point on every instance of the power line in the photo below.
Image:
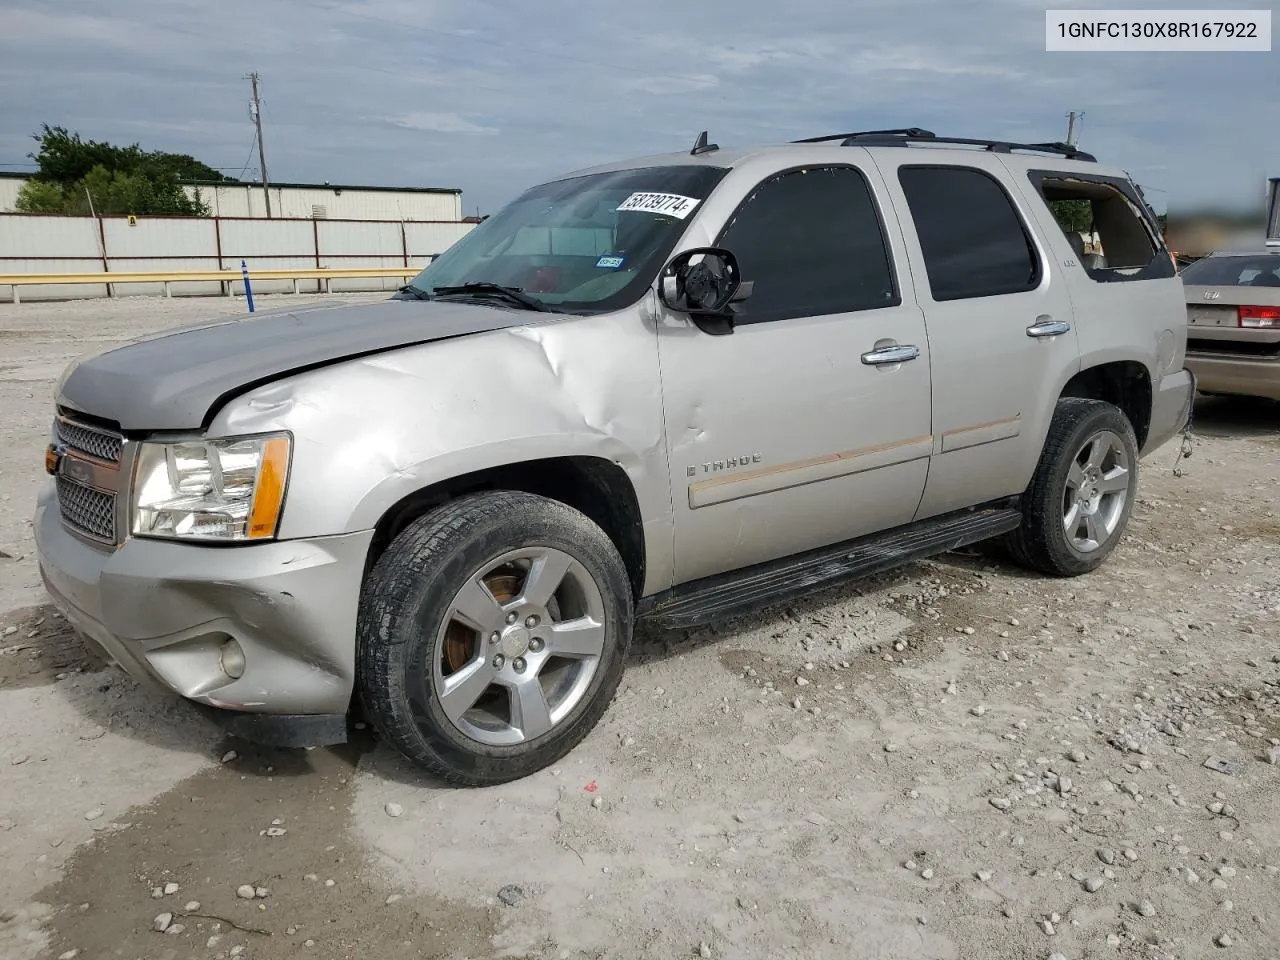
249	159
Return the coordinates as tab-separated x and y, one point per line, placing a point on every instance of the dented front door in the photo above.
810	423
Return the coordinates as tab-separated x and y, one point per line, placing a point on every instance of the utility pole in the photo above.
256	112
1071	126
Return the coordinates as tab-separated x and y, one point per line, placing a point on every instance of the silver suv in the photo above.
676	388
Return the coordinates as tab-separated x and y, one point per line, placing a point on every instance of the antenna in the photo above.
701	146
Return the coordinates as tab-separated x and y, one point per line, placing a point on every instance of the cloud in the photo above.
440	123
492	97
919	61
665	86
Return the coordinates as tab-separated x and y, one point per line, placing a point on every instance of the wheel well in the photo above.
1126	384
598	488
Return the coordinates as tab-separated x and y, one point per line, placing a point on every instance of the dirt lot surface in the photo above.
958	760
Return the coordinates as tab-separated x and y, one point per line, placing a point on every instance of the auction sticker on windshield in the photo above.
667	204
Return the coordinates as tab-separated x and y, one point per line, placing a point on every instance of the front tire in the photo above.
1078	504
492	636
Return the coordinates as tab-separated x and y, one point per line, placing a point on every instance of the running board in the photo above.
744	591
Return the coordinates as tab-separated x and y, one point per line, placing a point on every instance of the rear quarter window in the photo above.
1107	225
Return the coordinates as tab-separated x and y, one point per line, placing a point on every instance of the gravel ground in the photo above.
958	760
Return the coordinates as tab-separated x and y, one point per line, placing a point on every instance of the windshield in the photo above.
1244	271
583	245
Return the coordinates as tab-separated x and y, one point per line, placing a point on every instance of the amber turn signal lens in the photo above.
51	458
268	495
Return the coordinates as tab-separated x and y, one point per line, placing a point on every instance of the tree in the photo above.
36	196
120	180
1074	216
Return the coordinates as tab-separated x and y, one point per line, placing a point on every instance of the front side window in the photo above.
973	241
811	243
586	245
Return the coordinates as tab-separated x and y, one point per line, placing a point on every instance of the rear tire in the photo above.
492	636
1078	504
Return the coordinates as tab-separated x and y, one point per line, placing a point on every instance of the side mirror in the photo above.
705	284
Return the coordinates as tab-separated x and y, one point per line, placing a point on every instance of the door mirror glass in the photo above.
705	284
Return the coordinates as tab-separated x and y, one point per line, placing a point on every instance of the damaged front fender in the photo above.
372	431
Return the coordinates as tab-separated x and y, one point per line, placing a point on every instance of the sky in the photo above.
494	97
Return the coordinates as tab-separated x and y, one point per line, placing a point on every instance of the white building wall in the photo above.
57	244
246	200
9	187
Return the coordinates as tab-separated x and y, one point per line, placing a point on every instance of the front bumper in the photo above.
164	611
1245	377
1170	408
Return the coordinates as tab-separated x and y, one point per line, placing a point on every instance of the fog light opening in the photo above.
232	660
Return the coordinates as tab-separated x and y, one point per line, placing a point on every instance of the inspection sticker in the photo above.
610	262
667	204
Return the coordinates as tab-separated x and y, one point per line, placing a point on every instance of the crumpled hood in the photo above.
176	380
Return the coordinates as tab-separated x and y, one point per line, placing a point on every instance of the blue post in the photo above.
248	290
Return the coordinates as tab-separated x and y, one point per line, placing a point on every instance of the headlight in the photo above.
221	490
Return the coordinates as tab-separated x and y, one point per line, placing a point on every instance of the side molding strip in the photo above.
799	472
980	433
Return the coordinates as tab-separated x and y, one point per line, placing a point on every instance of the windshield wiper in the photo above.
513	295
416	292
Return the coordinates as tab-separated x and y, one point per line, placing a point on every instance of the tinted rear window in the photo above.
1243	271
973	240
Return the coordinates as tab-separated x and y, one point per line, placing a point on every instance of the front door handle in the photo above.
898	353
1046	327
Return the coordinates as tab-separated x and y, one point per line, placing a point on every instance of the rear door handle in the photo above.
898	353
1044	327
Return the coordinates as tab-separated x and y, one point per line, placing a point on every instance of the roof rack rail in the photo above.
893	138
903	132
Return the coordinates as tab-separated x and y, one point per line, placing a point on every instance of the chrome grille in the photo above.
90	511
88	478
95	441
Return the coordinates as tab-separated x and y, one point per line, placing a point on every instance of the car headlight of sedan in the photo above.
213	490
